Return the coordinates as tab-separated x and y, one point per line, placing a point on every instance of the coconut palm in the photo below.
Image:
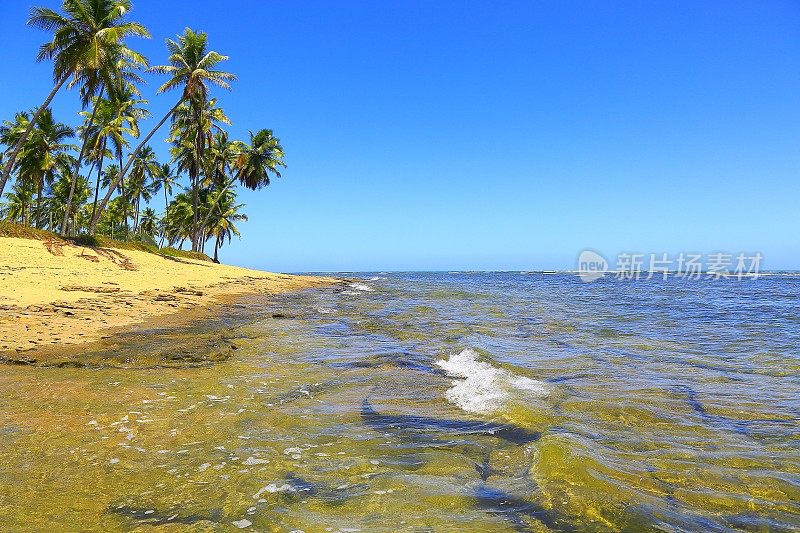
12	131
144	174
18	202
260	159
59	196
192	132
177	221
192	68
117	117
123	94
106	126
222	153
20	198
222	224
253	163
166	180
149	223
43	154
111	217
88	40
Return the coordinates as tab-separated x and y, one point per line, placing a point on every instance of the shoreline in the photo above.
58	299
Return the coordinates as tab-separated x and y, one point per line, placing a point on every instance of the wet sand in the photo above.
57	298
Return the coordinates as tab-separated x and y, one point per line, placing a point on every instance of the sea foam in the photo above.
483	388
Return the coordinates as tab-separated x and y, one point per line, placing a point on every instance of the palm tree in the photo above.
116	118
254	163
18	201
59	196
87	42
166	179
177	220
258	160
144	174
222	225
105	126
149	223
192	133
191	67
12	130
110	173
118	78
43	154
221	155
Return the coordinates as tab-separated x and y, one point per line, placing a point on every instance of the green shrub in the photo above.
86	240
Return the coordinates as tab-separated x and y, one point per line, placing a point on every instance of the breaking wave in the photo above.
483	388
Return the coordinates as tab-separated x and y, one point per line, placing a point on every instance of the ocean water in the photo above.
433	402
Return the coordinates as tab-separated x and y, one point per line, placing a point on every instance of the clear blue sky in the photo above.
492	135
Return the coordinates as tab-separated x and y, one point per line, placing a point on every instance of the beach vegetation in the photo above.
103	180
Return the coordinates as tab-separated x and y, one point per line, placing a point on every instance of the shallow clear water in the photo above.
434	402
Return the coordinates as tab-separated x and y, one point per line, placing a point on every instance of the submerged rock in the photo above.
384	422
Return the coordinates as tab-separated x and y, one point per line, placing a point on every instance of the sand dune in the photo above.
53	293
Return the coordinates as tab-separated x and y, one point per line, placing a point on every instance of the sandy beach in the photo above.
54	294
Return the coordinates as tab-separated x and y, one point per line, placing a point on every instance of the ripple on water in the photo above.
644	414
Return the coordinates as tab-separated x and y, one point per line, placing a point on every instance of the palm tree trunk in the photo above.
17	147
99	175
166	207
166	201
136	215
74	181
195	204
122	194
123	171
196	182
39	186
216	249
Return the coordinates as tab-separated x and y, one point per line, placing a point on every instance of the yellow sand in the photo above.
53	293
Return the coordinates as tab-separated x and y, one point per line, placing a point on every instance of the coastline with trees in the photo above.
103	177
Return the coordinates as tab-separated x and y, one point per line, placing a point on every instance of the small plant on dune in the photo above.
87	240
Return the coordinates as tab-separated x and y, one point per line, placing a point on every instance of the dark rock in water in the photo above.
484	469
281	315
692	399
304	391
507	432
406	360
156	516
512	508
302	489
71	364
562	379
300	485
21	360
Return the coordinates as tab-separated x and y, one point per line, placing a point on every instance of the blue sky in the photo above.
492	135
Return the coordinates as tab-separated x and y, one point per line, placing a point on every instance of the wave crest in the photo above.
483	388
